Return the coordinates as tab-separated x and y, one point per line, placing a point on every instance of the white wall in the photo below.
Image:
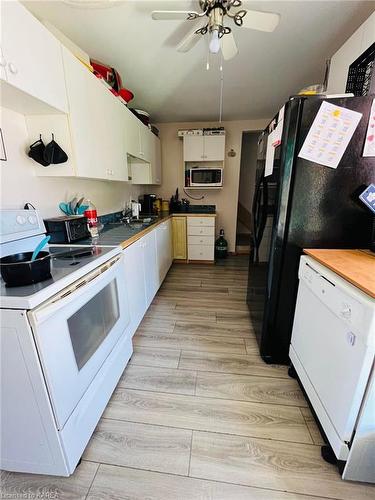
19	183
225	199
348	53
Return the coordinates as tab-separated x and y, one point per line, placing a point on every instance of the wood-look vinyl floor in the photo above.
197	414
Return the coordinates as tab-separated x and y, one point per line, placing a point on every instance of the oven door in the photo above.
76	330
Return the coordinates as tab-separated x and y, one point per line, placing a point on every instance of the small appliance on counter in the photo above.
147	203
67	228
136	209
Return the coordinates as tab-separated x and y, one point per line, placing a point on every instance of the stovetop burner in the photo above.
75	254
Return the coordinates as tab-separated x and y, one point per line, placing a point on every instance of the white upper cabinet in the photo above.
132	134
156	160
204	148
92	133
193	148
31	62
146	142
214	147
97	124
58	95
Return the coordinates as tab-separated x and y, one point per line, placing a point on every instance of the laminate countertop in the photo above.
356	266
115	234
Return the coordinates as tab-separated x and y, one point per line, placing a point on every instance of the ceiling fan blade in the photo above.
189	40
228	46
173	15
261	21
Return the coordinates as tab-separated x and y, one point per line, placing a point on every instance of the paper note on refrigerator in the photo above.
369	149
329	135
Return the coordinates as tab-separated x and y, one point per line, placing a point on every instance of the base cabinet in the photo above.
201	238
151	275
179	238
135	277
164	249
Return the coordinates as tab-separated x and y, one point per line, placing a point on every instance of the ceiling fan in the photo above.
214	13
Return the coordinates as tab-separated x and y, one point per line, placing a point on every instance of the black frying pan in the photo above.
17	269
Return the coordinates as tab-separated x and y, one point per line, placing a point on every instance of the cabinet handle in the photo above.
3	62
12	68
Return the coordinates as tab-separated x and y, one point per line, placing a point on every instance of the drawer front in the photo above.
201	231
201	240
200	252
201	221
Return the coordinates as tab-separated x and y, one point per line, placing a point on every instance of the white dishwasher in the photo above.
332	350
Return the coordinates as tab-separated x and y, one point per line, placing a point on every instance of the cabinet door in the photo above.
163	249
132	134
179	237
104	147
81	126
32	56
169	245
214	147
160	252
146	143
118	167
193	148
134	270
156	160
150	266
90	114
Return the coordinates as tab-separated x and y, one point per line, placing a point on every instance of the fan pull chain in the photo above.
208	59
221	89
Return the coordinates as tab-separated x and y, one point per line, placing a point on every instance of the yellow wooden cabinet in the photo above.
179	238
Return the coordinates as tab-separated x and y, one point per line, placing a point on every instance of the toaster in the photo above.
67	229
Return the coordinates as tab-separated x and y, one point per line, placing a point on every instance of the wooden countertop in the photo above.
162	219
356	266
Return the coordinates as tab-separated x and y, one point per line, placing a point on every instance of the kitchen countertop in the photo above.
356	266
115	234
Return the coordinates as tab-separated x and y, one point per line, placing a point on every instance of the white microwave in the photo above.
206	177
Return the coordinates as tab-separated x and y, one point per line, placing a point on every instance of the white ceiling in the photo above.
174	86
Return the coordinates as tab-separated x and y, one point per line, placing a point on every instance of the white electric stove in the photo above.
64	344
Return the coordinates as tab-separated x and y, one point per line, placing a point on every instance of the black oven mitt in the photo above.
53	153
36	152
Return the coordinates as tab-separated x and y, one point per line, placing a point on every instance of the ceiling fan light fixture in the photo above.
214	45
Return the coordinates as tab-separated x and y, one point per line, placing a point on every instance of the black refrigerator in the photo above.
301	205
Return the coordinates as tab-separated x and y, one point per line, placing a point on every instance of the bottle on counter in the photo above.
221	246
92	218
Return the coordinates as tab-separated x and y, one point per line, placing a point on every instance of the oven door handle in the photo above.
76	290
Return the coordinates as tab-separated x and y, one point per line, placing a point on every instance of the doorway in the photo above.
246	190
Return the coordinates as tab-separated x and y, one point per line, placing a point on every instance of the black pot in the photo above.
17	269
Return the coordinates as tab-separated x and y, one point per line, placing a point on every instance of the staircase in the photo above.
243	236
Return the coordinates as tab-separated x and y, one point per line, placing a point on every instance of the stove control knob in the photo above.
20	219
32	219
